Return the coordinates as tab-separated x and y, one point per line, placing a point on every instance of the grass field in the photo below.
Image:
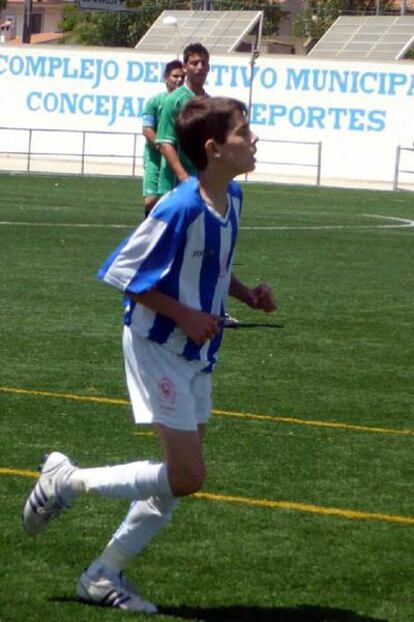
307	514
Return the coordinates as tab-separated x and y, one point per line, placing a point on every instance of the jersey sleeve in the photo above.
149	118
147	256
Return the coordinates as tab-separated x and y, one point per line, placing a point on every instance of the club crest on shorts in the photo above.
167	390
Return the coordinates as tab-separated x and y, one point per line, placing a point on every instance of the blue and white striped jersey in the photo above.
184	249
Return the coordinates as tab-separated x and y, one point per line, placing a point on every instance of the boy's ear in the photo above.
211	148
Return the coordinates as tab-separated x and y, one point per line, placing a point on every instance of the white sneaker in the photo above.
112	590
45	502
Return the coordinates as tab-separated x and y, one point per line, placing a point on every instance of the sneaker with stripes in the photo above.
112	590
45	501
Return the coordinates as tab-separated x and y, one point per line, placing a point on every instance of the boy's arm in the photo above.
149	120
170	154
150	135
260	297
167	139
197	325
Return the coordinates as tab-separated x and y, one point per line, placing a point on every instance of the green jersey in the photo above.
174	103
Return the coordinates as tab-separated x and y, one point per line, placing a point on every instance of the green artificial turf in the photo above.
323	393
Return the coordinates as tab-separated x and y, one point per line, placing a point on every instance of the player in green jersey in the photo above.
173	78
175	166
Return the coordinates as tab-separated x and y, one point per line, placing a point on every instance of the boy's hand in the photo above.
261	297
198	325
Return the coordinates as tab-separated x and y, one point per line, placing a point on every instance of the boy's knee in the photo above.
184	483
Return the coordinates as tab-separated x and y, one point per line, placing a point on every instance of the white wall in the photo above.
52	17
360	111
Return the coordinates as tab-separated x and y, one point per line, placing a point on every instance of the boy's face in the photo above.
237	153
196	69
174	79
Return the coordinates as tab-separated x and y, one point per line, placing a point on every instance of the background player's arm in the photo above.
150	135
170	154
260	297
197	325
167	139
149	120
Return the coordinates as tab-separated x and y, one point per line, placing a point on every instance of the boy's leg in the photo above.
181	473
103	582
61	482
142	522
150	183
184	462
105	575
146	481
134	480
183	456
165	386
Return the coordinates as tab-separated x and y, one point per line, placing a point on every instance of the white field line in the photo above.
67	225
403	223
400	223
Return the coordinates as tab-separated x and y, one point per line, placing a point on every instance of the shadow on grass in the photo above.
254	325
302	613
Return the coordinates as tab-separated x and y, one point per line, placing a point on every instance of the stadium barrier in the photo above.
81	152
403	176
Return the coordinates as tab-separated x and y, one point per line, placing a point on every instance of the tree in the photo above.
3	4
121	29
318	15
124	29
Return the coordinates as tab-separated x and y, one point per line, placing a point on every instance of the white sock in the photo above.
135	480
142	522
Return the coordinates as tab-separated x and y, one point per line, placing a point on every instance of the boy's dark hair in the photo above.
195	48
204	118
169	67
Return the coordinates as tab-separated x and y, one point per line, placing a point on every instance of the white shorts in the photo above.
164	387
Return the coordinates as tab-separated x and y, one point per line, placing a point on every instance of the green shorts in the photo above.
166	178
150	180
152	162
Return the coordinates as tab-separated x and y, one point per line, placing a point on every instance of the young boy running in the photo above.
173	78
175	163
176	272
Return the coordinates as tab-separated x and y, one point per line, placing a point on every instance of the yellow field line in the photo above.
66	396
305	507
313	422
19	472
220	413
273	505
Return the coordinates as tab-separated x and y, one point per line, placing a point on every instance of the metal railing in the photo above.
35	150
81	152
314	163
398	171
